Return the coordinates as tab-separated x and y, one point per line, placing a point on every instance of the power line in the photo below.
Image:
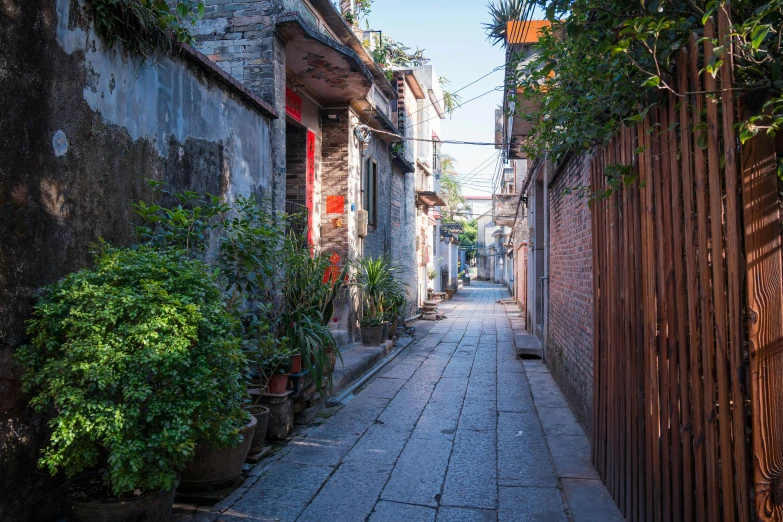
365	128
499	67
496	89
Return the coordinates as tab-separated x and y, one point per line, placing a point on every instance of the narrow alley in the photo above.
454	429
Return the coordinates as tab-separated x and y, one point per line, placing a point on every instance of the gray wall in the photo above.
80	129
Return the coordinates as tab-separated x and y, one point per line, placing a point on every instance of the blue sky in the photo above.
452	35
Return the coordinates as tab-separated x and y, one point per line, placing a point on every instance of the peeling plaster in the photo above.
155	100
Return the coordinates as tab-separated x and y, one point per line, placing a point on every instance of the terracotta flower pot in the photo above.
372	335
278	383
393	329
149	507
214	469
261	413
296	364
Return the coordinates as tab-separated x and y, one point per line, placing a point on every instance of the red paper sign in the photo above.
293	105
332	272
335	204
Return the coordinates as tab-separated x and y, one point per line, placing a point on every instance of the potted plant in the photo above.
380	290
139	362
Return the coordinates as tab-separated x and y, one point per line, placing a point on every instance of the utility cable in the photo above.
366	128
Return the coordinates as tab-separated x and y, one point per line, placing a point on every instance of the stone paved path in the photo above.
454	429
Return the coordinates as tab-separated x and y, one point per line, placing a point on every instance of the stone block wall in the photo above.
296	165
81	128
570	347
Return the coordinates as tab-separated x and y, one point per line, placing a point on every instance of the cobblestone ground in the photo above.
454	429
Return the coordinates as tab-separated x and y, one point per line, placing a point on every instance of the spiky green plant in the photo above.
502	12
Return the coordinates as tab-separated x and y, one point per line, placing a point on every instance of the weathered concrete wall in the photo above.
570	350
239	37
80	129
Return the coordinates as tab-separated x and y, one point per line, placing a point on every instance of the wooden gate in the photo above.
688	350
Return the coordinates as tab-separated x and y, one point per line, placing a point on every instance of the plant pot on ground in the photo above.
213	469
393	329
159	395
371	331
385	332
261	413
86	498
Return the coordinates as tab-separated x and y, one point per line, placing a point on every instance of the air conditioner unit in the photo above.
361	221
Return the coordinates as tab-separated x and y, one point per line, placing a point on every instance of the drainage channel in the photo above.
345	394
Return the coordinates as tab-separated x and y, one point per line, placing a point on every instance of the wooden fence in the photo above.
688	353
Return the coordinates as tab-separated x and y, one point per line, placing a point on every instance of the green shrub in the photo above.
140	361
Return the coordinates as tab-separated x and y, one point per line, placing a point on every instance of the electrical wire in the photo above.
447	142
496	89
498	68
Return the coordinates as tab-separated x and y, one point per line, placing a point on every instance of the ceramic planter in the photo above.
392	329
278	383
296	364
385	333
261	413
449	293
215	469
149	507
372	335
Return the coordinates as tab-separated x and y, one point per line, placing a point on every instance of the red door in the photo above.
310	183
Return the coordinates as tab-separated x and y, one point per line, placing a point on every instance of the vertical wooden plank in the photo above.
765	325
612	428
680	325
733	262
597	319
631	470
625	475
640	385
705	301
662	232
669	163
650	331
692	426
719	289
605	326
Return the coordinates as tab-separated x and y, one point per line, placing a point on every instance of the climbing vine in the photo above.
143	27
603	63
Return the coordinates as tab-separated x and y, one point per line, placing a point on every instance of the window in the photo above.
371	191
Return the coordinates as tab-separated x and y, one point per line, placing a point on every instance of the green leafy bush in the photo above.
144	26
140	361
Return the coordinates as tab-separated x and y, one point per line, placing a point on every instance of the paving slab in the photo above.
396	512
523	457
559	421
589	501
281	494
350	494
453	514
571	454
531	505
471	480
419	473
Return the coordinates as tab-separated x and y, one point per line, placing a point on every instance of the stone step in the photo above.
528	346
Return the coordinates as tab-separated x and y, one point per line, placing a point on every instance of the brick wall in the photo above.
570	349
378	240
239	37
296	165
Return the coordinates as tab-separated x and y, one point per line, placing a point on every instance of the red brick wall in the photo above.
570	350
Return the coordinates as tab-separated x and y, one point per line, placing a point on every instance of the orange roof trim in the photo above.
522	32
